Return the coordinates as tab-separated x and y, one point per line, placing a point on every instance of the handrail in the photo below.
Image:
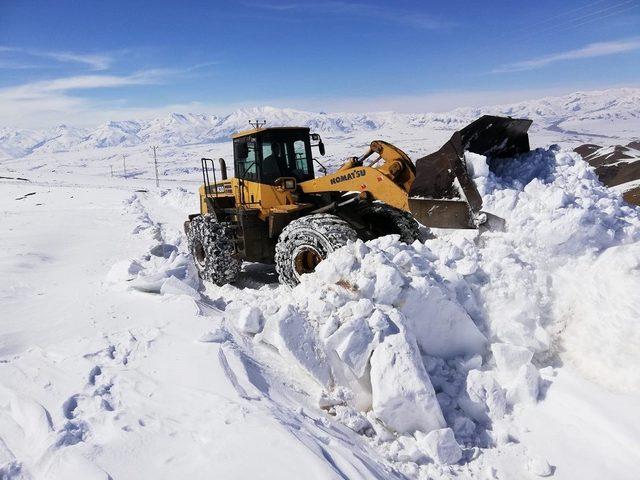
205	176
244	174
323	169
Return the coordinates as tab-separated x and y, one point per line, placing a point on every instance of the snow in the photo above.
581	117
539	466
441	446
509	358
248	320
483	398
403	397
353	342
525	386
472	355
600	317
295	340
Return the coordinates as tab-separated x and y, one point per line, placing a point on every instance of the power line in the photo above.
576	22
532	36
607	16
591	16
552	18
604	10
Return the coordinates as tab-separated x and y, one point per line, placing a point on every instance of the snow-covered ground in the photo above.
498	355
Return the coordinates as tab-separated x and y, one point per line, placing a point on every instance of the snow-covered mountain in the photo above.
613	104
62	138
579	117
179	129
20	142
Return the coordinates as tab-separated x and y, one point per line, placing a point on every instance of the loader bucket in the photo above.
436	199
442	213
496	137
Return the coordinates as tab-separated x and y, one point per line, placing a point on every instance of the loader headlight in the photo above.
286	183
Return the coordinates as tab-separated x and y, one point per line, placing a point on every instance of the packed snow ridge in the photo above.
430	351
579	114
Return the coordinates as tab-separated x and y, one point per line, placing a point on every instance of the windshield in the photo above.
285	158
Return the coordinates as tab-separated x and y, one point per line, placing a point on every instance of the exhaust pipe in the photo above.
223	168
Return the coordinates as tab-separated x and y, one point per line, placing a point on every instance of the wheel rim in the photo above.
199	254
306	260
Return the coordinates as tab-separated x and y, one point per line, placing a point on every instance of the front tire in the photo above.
306	241
211	245
382	219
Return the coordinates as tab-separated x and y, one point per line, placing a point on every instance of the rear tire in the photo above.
306	241
211	245
384	220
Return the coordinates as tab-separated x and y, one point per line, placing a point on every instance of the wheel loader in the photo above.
276	210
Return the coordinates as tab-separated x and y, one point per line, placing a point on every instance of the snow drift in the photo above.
430	349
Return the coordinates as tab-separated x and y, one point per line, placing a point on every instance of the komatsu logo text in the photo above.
348	176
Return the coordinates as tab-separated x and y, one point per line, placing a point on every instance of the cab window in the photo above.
247	167
301	161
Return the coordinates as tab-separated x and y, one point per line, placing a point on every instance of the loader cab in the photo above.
263	155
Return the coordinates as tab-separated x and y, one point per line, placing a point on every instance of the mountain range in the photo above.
580	117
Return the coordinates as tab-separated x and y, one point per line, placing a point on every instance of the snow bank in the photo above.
362	321
432	348
162	273
163	269
599	306
451	333
563	279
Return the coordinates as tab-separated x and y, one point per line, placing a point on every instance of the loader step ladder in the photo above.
205	162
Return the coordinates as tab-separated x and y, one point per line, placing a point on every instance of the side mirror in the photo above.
241	150
321	148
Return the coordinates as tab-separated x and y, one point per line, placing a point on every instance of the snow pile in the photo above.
563	279
600	310
451	333
163	269
179	198
386	338
431	350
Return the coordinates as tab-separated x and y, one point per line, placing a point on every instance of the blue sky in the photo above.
81	62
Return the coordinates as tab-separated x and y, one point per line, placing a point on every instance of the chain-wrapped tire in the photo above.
382	219
306	241
211	245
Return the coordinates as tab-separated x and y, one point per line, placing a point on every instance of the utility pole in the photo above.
155	161
124	164
111	170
